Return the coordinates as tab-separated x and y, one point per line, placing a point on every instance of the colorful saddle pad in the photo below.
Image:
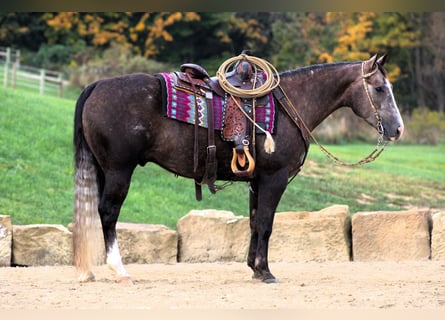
179	104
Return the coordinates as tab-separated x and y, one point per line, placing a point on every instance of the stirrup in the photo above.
250	160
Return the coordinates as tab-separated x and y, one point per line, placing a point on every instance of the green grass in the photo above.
403	177
36	174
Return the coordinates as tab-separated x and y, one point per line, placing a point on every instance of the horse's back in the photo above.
126	89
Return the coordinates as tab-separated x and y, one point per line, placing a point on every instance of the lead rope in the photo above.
381	144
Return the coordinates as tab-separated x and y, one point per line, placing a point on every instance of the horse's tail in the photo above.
87	232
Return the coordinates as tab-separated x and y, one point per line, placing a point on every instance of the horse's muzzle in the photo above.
398	133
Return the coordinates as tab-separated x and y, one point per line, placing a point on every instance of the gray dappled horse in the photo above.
119	124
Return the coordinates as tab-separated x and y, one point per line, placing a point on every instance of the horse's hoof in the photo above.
124	280
269	278
87	277
270	281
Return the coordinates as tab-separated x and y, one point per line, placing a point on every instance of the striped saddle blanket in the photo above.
179	104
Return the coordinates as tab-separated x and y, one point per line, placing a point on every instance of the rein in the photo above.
381	144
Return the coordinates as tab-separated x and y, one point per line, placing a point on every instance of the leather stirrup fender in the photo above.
250	159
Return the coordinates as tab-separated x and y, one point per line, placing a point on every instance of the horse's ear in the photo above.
381	61
370	64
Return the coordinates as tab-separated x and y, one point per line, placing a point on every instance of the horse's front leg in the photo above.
266	192
253	205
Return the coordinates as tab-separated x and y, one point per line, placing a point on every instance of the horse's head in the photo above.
376	101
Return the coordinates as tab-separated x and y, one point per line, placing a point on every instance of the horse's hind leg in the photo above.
115	190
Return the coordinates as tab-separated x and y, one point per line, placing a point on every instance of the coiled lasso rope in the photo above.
271	82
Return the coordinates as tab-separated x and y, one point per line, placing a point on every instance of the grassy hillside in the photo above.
36	174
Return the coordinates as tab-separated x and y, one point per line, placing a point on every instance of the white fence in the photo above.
15	75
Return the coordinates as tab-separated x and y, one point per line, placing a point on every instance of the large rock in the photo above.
438	237
147	243
41	244
213	235
391	235
311	236
5	240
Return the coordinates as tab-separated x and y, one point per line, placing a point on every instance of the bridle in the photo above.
374	109
381	144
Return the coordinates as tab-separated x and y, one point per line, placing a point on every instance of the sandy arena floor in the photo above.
329	285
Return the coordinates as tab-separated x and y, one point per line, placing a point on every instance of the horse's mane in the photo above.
314	67
324	66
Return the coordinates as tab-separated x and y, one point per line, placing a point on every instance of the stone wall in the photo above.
323	235
5	240
211	235
438	236
41	244
387	235
147	243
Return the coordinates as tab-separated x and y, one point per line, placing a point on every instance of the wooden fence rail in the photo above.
16	75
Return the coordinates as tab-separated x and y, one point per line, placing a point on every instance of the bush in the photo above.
344	126
425	127
117	60
52	57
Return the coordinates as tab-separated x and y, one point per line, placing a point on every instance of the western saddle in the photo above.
236	127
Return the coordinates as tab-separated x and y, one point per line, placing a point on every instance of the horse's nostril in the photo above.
400	131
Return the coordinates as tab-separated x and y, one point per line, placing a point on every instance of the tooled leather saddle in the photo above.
236	127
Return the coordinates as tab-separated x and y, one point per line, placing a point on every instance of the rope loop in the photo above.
258	64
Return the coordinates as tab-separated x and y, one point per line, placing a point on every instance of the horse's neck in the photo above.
318	91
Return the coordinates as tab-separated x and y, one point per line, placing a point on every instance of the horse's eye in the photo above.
379	89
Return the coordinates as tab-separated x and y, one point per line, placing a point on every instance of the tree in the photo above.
251	31
352	30
141	32
301	39
22	30
435	44
398	35
196	40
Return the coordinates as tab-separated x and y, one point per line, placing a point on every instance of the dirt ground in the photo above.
311	285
